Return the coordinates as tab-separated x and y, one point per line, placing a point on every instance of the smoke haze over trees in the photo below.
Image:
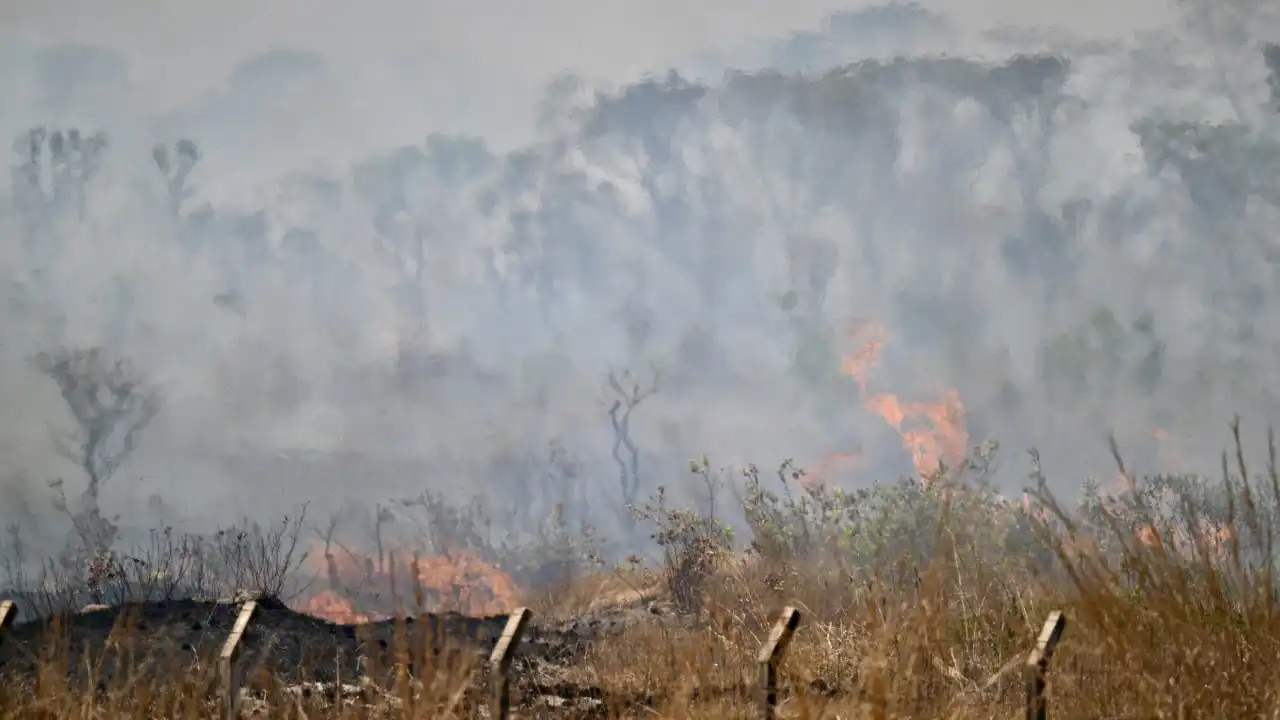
1074	236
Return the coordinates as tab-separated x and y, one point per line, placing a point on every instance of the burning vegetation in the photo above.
362	588
933	431
919	595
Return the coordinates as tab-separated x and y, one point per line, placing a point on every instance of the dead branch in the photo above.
331	565
628	394
111	405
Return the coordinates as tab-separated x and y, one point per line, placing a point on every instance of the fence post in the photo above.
8	613
229	688
1038	665
770	656
500	664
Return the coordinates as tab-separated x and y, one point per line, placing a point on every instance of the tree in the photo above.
627	394
1271	56
1222	164
401	228
812	262
111	404
64	162
1100	349
1228	28
175	166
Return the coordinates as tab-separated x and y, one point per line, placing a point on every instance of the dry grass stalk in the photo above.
1185	625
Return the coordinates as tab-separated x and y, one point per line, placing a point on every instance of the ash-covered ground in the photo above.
303	655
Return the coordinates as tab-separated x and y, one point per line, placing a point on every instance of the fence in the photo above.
8	613
768	660
1035	667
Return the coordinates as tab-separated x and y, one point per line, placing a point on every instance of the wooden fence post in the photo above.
770	656
500	664
1038	665
8	613
229	688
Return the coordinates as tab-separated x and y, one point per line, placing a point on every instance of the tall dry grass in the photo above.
1169	590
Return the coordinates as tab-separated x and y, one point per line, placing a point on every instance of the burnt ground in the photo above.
301	652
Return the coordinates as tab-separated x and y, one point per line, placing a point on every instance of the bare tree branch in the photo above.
628	394
111	405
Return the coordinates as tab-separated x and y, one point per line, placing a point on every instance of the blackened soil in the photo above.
99	649
296	647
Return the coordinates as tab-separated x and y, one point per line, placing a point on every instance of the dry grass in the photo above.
1167	621
1173	651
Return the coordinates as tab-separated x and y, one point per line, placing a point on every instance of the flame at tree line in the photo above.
358	587
932	431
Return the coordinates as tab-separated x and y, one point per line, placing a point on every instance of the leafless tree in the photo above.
111	404
264	561
175	165
333	578
51	179
627	394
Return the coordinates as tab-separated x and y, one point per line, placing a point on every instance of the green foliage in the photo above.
889	523
860	95
1223	164
1102	347
896	532
895	527
693	543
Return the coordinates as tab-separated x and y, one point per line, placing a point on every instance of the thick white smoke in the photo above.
1035	232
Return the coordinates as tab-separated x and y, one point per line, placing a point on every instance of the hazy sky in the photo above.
180	50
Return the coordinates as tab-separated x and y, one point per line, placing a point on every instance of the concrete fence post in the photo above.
770	657
8	614
228	681
500	664
1037	666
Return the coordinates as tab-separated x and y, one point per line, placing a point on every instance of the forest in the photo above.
926	345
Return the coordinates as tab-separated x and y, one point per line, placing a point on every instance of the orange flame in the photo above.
473	586
830	465
932	432
1170	451
458	581
859	364
1149	536
329	605
1207	535
1219	536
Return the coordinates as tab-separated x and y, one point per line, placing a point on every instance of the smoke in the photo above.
1075	239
